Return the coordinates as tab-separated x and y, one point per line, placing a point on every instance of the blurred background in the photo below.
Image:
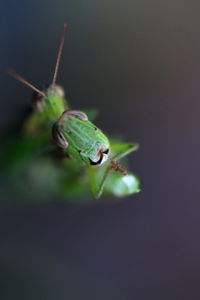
138	62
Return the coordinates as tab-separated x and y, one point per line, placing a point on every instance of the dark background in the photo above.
139	63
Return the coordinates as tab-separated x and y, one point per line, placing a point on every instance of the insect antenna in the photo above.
24	81
59	54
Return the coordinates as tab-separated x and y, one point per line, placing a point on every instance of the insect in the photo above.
81	141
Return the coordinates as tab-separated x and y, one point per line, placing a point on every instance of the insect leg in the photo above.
123	149
58	137
77	114
97	182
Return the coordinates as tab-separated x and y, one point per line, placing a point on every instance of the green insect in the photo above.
83	144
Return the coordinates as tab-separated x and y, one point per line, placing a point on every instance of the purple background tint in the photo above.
139	63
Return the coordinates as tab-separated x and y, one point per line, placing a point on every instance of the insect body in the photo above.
71	129
75	134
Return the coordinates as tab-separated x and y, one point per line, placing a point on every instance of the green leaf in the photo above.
120	185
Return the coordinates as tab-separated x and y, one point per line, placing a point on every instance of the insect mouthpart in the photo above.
102	159
106	151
